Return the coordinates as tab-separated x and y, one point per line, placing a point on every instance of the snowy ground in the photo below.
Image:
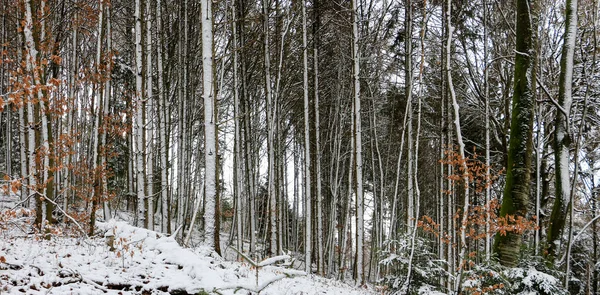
142	262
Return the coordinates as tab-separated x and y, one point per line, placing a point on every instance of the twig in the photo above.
258	288
21	202
63	212
554	102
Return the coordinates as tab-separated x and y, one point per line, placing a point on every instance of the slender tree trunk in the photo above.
318	191
96	192
238	166
487	134
307	161
24	152
138	126
461	150
562	134
31	58
408	87
360	279
211	233
162	122
182	112
66	175
271	111
105	114
149	122
595	190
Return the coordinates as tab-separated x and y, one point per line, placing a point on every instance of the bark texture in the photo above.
516	190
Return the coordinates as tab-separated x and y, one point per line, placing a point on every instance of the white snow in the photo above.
144	262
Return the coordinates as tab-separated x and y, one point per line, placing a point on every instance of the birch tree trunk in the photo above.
31	62
211	233
149	120
138	124
360	280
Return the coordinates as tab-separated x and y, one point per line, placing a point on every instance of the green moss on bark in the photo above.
516	191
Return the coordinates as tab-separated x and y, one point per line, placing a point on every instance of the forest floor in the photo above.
140	262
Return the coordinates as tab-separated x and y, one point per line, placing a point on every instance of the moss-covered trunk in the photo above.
516	191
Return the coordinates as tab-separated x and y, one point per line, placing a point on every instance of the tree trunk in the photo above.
149	120
271	112
318	189
518	171
461	150
357	137
138	126
162	123
307	177
211	233
562	137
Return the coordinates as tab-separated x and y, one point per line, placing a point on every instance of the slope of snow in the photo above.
143	262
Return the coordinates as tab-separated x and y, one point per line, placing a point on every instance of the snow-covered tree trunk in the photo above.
238	166
408	88
461	150
149	119
105	114
487	133
562	133
318	189
162	128
270	109
346	235
24	152
358	149
138	124
31	58
182	115
393	218
415	177
335	181
211	233
307	178
95	193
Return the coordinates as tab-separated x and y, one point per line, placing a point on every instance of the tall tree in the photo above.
307	177
357	138
518	171
562	137
211	232
138	125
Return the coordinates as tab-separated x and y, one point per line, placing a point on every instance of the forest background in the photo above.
404	143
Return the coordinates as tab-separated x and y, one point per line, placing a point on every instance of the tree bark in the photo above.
357	137
211	233
138	126
307	161
562	134
518	171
